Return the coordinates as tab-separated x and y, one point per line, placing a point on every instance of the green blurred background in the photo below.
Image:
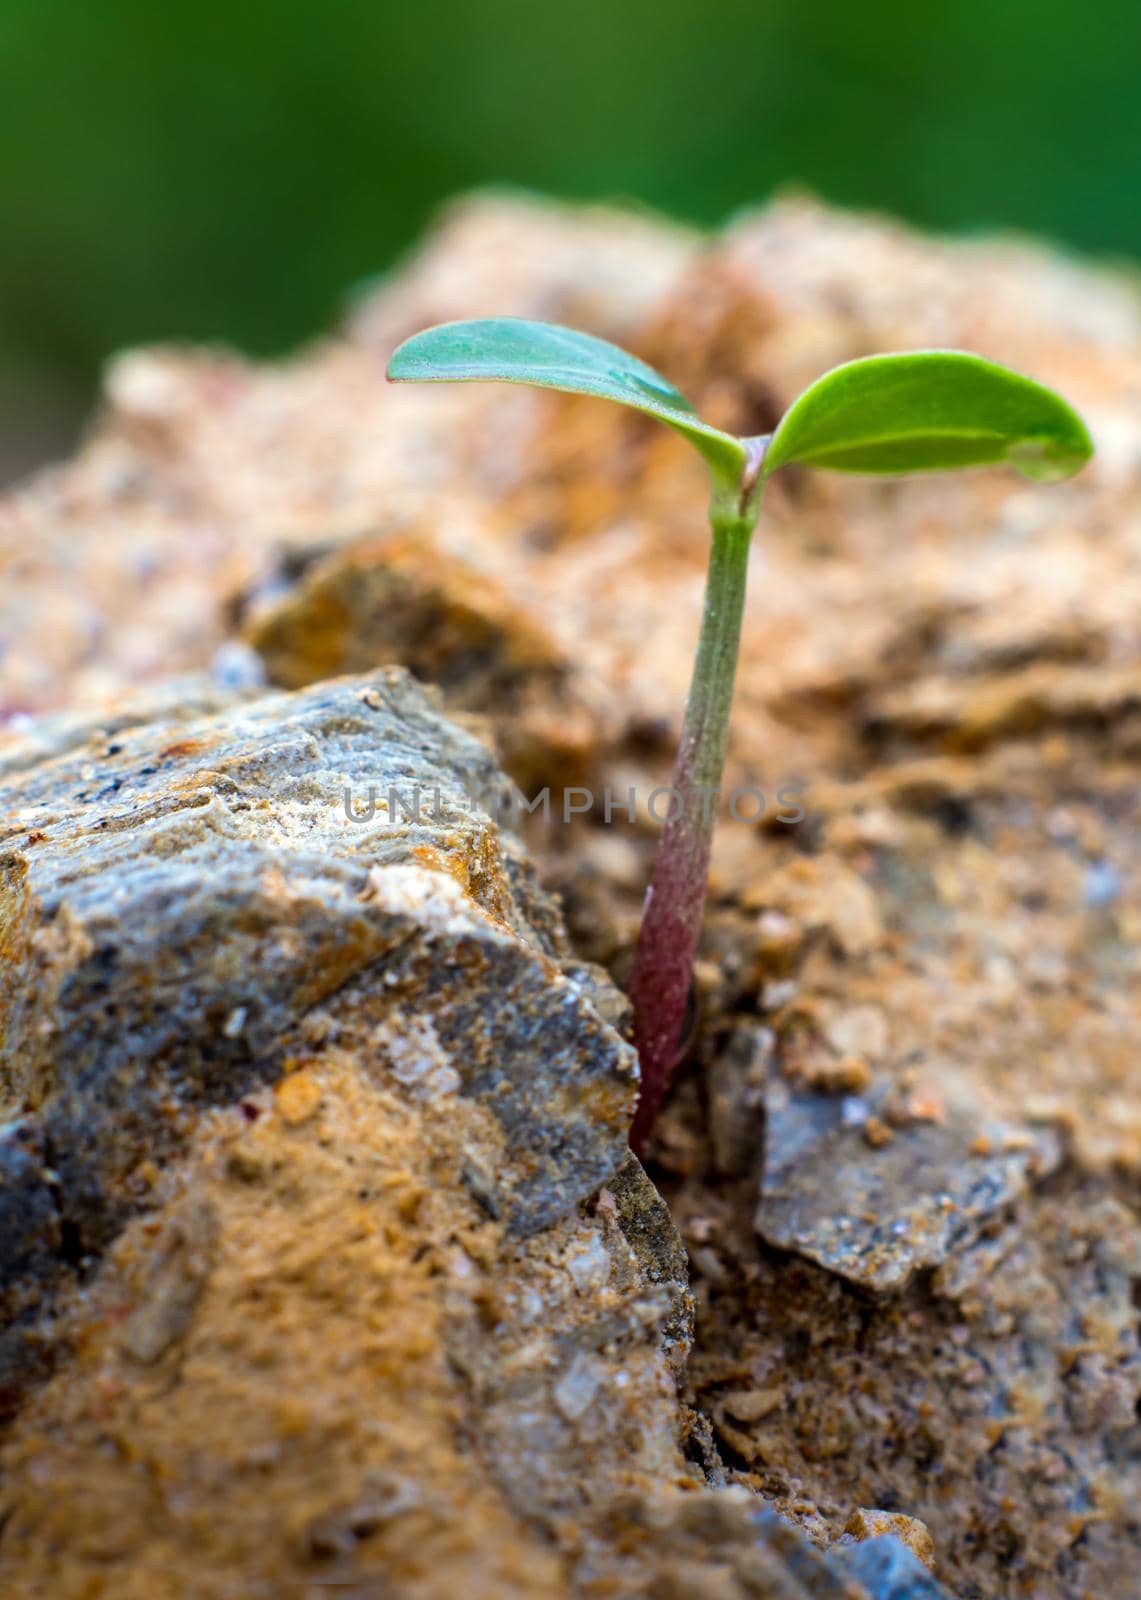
226	169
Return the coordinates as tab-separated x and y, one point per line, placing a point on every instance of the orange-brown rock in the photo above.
934	917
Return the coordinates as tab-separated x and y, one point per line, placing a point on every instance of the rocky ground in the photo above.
322	1264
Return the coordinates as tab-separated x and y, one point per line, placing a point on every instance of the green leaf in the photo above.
928	410
511	350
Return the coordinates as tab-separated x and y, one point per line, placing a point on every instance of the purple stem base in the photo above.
663	963
671	923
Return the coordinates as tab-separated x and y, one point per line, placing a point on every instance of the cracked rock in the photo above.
188	910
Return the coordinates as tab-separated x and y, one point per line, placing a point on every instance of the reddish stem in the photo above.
675	901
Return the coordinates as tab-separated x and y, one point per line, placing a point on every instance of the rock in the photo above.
987	1398
938	922
406	598
190	909
302	1078
875	1204
736	1086
344	1373
912	1534
342	1154
836	902
888	1570
300	1408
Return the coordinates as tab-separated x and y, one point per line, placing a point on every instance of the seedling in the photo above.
920	411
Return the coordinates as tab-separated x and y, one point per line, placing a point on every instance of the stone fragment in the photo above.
887	1570
876	1203
823	897
870	1524
406	597
736	1087
752	1405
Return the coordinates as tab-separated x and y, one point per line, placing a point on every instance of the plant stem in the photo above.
671	921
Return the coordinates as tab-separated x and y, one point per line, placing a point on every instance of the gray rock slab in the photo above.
876	1213
182	896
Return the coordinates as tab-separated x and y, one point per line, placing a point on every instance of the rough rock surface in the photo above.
317	1195
875	1193
994	1399
940	954
233	844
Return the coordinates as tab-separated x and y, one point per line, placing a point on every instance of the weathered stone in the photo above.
295	1398
877	1210
344	1374
736	1084
888	1570
399	983
949	667
992	1398
188	906
406	598
866	1523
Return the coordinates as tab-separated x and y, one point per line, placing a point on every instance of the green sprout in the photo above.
918	411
